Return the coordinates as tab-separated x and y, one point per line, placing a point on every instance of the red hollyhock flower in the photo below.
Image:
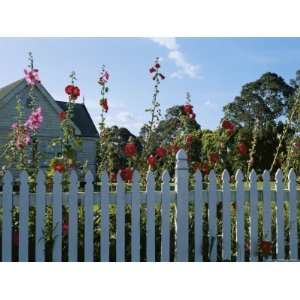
188	108
130	149
160	152
59	167
189	139
113	177
104	104
76	92
214	158
157	65
243	150
65	228
69	89
266	247
62	115
127	174
151	161
152	70
205	168
196	166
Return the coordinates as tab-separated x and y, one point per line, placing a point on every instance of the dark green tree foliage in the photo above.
264	99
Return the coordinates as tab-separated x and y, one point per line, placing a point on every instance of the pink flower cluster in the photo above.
32	76
104	78
35	119
22	131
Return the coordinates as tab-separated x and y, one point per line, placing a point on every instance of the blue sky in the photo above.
211	69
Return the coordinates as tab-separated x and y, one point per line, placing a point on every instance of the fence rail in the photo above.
182	225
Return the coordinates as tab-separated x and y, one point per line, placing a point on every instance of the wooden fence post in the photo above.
181	188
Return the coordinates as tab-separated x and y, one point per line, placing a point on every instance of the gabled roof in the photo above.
9	88
82	119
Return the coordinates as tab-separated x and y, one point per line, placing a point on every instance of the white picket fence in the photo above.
165	197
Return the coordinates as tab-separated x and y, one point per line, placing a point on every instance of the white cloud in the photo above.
185	68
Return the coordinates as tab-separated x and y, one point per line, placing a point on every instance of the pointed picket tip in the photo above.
225	176
266	175
150	177
292	175
24	176
41	175
136	176
89	177
104	176
252	176
57	176
279	175
8	177
239	175
212	177
119	178
198	175
181	155
73	176
165	176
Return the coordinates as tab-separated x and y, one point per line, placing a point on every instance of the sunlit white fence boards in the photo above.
214	220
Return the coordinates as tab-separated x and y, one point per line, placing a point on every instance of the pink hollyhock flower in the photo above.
14	125
32	76
35	119
104	78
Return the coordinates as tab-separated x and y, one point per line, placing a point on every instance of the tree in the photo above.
264	100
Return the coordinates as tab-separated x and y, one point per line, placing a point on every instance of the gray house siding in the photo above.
50	127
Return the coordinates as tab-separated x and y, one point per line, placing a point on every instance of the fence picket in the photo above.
253	216
212	216
279	215
267	233
135	217
226	242
182	221
150	225
40	218
89	218
7	204
165	217
198	233
104	217
120	243
240	218
57	217
73	218
24	217
292	187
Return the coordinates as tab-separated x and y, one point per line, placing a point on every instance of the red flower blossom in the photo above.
160	152
130	149
243	150
62	115
59	167
230	127
69	89
65	228
151	161
205	168
196	166
127	174
214	158
157	65
76	92
104	104
188	108
266	248
152	70
113	177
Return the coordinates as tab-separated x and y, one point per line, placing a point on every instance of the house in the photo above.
83	124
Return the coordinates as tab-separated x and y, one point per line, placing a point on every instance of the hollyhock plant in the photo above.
151	161
32	76
242	148
127	174
160	152
130	149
